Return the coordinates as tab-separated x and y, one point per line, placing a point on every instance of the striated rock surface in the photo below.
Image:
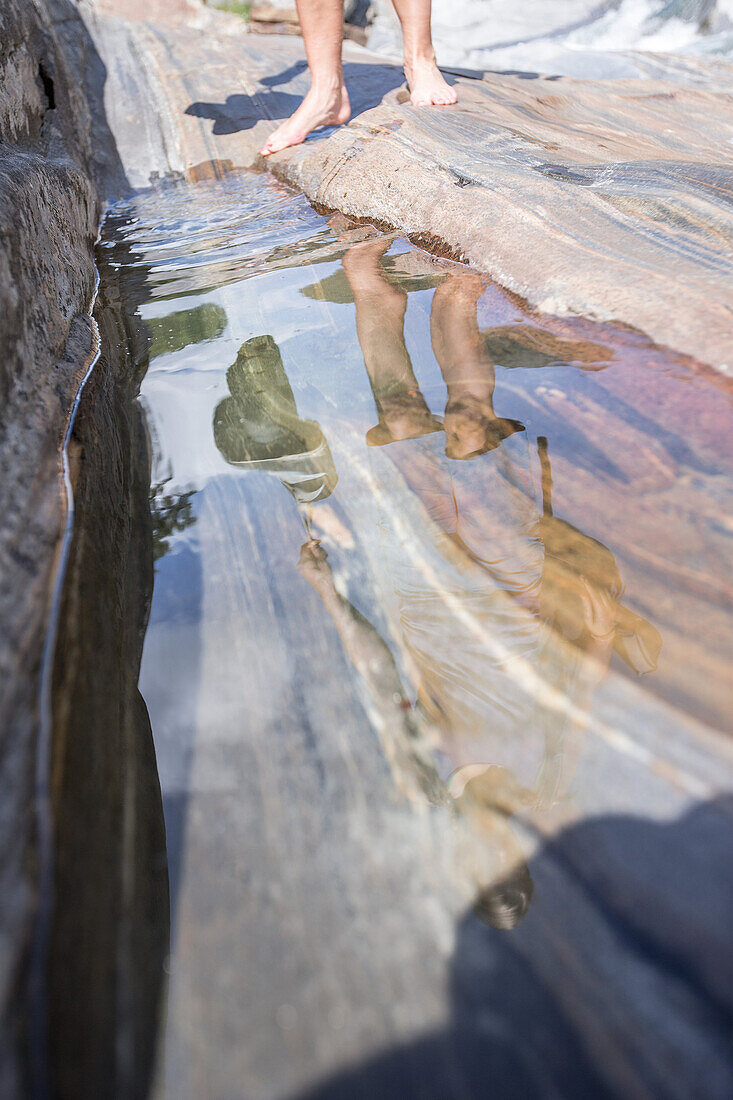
582	196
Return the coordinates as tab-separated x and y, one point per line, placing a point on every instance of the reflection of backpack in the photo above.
568	555
258	426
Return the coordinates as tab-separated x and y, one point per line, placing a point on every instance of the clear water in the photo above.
437	669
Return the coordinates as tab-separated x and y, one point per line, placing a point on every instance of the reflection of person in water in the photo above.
496	597
258	427
515	590
503	881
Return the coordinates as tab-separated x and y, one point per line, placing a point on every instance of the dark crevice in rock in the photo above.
57	158
48	86
110	929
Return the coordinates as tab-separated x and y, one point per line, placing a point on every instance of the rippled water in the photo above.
439	644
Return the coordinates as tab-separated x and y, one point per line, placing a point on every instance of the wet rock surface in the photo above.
107	938
320	933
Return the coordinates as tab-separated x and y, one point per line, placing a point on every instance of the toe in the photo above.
284	141
439	97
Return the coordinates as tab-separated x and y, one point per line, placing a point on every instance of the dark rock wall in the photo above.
56	159
109	933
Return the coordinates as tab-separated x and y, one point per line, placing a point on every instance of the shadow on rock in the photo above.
242	112
618	981
367	85
109	931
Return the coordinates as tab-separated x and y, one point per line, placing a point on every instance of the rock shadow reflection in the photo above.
257	427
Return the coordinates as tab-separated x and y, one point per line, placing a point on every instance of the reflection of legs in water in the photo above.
471	425
380	318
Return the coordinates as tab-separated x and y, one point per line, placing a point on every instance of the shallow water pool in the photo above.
437	669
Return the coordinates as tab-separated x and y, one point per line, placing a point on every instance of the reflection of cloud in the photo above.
180	418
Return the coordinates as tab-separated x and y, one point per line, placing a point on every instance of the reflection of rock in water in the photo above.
524	346
258	426
186	326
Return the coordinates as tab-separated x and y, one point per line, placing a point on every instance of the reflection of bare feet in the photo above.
319	108
427	84
473	428
313	566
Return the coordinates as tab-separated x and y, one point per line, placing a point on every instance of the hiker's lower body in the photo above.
327	102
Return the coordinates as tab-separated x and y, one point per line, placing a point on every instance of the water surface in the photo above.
437	670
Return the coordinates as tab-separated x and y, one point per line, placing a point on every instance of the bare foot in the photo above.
427	84
329	108
313	565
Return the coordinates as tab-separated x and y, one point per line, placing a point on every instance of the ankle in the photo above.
328	86
419	58
472	395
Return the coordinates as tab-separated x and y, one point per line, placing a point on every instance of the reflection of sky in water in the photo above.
251	672
324	365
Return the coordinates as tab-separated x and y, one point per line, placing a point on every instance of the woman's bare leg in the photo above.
327	103
427	85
